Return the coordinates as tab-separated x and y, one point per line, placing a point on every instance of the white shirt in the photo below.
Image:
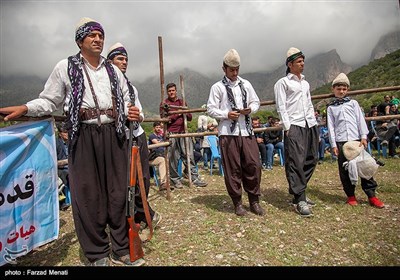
218	105
57	92
346	122
204	120
293	102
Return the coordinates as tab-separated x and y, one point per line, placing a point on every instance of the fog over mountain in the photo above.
334	36
35	35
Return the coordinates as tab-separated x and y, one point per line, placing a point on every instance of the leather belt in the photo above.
89	114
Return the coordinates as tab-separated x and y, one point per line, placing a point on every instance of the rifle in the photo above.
134	169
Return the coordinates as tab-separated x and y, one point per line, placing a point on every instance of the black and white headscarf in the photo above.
339	101
232	102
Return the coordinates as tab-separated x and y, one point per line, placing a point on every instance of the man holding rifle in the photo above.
97	105
118	55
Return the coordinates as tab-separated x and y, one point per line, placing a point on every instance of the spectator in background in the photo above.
374	108
384	107
387	130
269	120
260	141
178	147
273	140
324	144
156	156
62	155
318	117
394	100
205	122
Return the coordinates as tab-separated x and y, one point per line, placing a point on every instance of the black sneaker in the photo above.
199	183
102	262
126	260
303	209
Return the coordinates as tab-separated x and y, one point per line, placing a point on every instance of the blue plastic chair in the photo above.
281	159
215	154
381	148
180	164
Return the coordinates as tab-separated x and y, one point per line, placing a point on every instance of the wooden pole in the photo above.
197	110
186	138
349	93
161	61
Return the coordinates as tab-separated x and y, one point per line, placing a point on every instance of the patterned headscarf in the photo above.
76	77
85	27
232	102
339	101
117	49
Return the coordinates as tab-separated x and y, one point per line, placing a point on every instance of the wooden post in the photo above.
186	138
161	61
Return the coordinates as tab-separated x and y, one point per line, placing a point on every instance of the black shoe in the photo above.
256	209
126	260
239	210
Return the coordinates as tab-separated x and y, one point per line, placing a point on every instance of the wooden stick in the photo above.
186	138
161	61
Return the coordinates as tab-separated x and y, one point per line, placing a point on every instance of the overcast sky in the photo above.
35	35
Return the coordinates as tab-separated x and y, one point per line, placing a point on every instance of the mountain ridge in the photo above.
319	70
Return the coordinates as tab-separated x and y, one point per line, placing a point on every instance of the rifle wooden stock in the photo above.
135	243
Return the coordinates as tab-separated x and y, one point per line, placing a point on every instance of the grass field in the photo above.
199	227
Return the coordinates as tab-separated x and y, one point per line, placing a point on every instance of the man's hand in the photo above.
133	114
13	112
245	111
233	115
335	151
